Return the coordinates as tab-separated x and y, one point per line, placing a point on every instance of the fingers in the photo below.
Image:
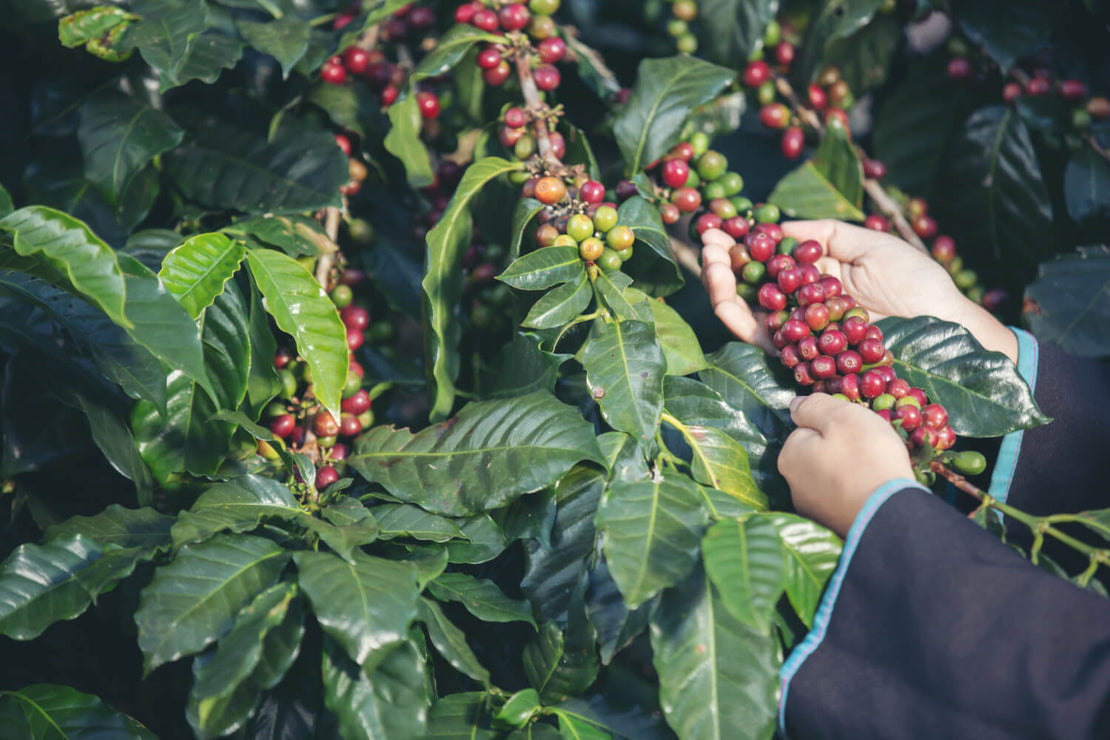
818	411
717	237
843	242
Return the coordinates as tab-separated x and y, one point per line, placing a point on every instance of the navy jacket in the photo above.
933	628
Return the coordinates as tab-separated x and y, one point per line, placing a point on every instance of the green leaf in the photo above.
285	39
830	185
718	677
1086	179
610	289
483	540
552	572
443	281
349	525
450	50
720	462
406	520
1069	302
911	152
185	439
654	269
391	701
83	262
559	665
245	173
49	710
650	534
83	26
518	709
403	141
665	92
481	598
560	306
171	37
812	553
592	70
119	136
379	11
263	382
228	682
237	505
544	268
624	370
732	30
744	559
143	528
616	624
866	57
837	19
746	379
163	326
193	601
6	205
365	604
42	585
302	309
681	348
983	391
297	236
195	272
451	643
521	367
492	453
525	210
998	194
1007	31
461	717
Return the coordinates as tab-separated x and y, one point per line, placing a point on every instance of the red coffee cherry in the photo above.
756	73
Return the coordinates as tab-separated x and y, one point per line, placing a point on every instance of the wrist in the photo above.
989	331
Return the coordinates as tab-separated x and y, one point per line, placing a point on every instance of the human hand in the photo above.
838	456
881	272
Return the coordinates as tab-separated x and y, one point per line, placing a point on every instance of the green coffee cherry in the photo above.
580	226
605	218
767	213
969	462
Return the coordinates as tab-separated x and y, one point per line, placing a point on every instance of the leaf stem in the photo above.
1040	526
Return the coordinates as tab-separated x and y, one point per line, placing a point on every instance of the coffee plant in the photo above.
356	376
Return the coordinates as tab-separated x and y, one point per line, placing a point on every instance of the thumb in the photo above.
818	411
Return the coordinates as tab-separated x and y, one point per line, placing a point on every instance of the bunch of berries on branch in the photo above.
680	25
577	215
517	21
828	341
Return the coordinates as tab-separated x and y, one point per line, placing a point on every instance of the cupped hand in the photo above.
838	456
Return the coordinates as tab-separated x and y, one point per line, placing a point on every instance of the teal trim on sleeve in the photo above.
1003	475
816	635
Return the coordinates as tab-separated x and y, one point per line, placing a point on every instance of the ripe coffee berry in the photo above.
849	362
775	115
675	173
817	316
687	199
736	227
334	74
592	192
777	263
429	105
809	347
325	476
497	75
514	17
872	384
283	425
355	317
546	77
756	73
489	58
707	221
808	252
771	298
875	222
823	367
910	417
833	342
552	50
793	142
871	351
959	68
356	60
485	19
790	357
874	169
810	293
760	246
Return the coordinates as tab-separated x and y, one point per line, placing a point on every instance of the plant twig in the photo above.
874	189
533	103
687	256
327	260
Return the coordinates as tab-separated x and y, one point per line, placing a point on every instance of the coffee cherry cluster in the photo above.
515	136
296	412
515	20
679	26
828	340
577	215
356	168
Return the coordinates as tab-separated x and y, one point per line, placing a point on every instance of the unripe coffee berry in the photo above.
591	249
620	237
738	257
753	272
711	165
580	226
550	190
687	199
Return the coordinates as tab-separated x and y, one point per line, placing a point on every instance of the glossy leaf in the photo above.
119	136
195	271
391	701
735	29
681	348
610	289
49	710
650	534
812	553
665	92
461	717
556	669
41	585
744	559
525	210
6	205
144	528
655	268
481	598
720	462
1086	180
346	525
1069	302
171	37
983	391
624	370
718	677
406	520
365	605
450	50
263	383
865	58
492	453
483	540
999	198
1006	31
745	378
403	141
77	29
835	20
285	39
302	309
443	281
830	185
246	173
544	268
237	505
80	259
193	601
521	367
297	236
450	642
616	624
